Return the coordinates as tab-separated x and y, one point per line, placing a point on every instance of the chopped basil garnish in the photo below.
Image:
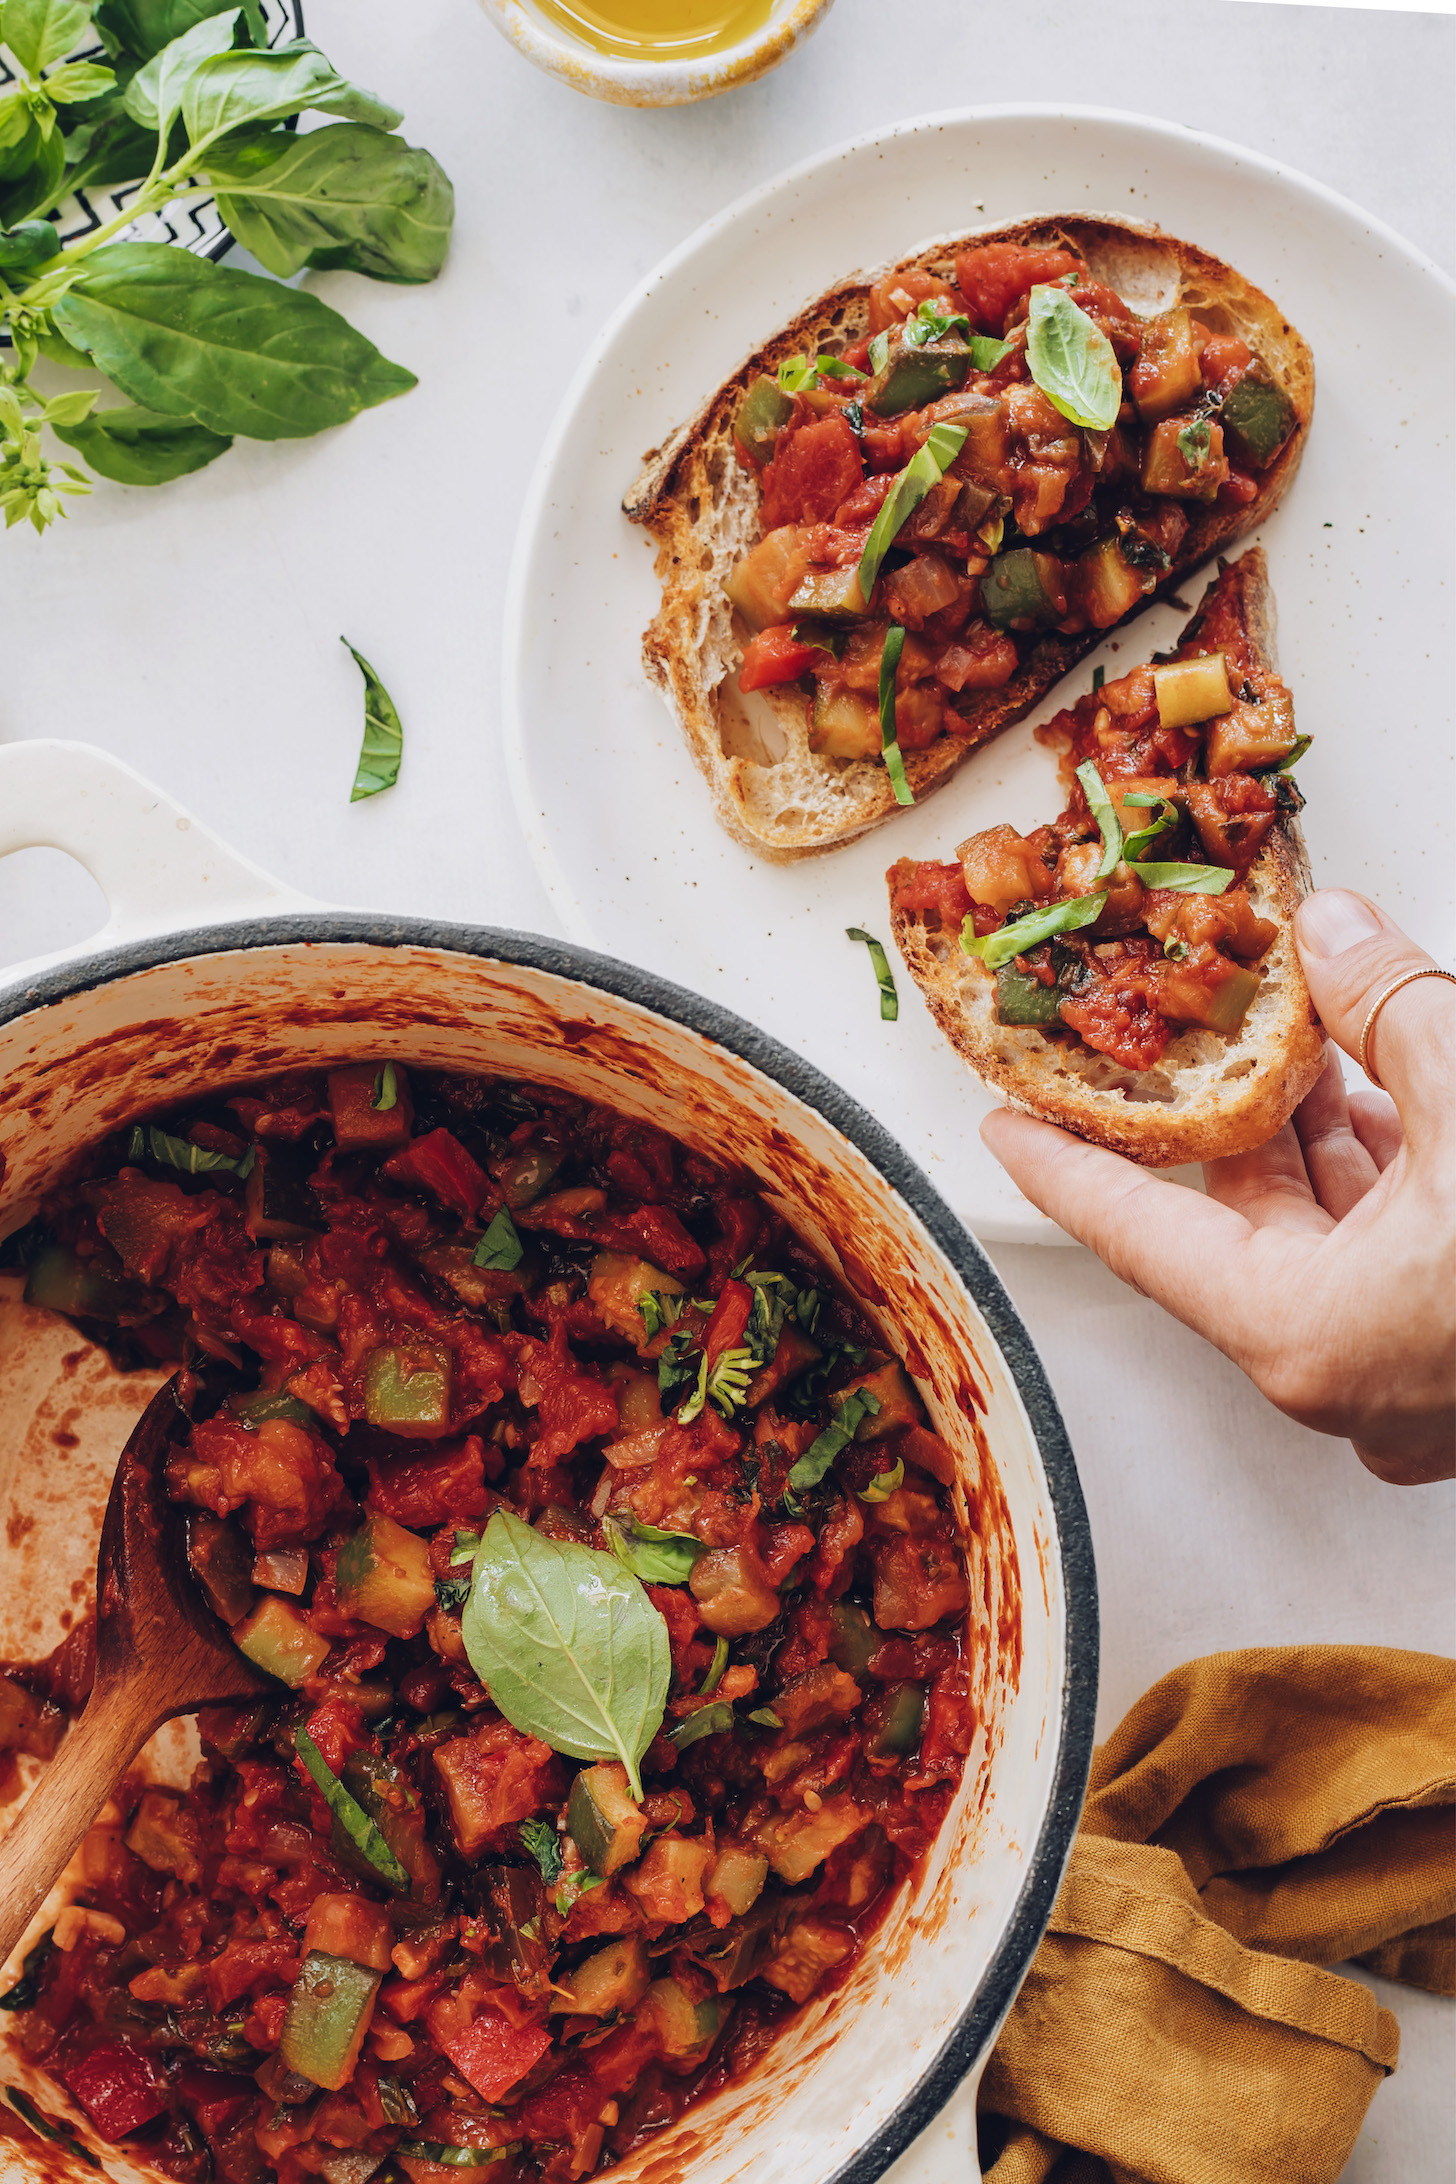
1099	677
574	1885
500	1248
383	744
716	1667
659	1309
463	1551
889	745
353	1820
1194	442
1100	804
455	2157
929	324
904	497
658	1558
820	1454
889	999
386	1090
451	1593
798	372
541	1840
987	352
766	1718
178	1152
853	414
1072	360
884	1483
1028	932
1190	879
880	352
707	1721
1135	844
724	1383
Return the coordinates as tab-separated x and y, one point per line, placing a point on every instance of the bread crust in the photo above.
1208	1096
772	793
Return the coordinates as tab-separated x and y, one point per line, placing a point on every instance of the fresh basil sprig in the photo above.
884	978
923	471
820	1453
383	744
1072	360
798	372
568	1644
889	743
353	1820
929	324
500	1249
1188	879
658	1558
994	949
195	103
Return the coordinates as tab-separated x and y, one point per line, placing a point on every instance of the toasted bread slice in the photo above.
1209	1095
770	790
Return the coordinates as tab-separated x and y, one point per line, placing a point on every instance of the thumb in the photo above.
1351	953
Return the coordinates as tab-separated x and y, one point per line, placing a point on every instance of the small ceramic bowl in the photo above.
669	81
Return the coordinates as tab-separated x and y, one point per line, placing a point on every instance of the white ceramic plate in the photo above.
616	815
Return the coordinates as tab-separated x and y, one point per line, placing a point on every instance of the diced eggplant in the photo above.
1189	691
511	1900
1257	415
614	1979
1024	588
407	1389
604	1823
854	1640
384	1577
761	417
1185	460
834	595
222	1562
276	1638
28	1724
393	1803
280	1206
1104	586
1021	998
915	377
899	1404
616	1286
360	1126
329	2012
844	725
1166	375
1190	996
684	2027
734	1954
523	1176
1251	736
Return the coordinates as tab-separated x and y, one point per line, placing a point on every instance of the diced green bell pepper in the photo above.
328	2015
1258	415
407	1389
762	415
222	1563
854	1639
1023	999
60	1282
276	1639
901	1724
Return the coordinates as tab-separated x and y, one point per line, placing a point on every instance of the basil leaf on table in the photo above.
354	1822
820	1453
232	350
923	471
658	1558
135	446
154	95
1072	360
41	31
244	86
1029	932
383	745
568	1644
347	197
889	744
884	978
1188	879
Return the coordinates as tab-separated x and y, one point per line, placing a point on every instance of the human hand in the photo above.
1324	1264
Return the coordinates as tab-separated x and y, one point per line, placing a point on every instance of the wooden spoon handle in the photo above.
97	1750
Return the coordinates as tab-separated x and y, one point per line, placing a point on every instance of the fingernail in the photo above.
1334	920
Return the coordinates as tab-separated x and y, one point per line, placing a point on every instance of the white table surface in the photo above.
194	630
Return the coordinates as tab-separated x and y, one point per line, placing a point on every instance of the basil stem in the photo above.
716	1667
1188	879
894	763
1028	932
353	1820
1072	360
1104	812
904	497
889	999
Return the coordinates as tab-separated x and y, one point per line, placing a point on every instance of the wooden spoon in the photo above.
160	1651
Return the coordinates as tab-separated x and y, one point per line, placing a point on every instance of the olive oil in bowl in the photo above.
657	30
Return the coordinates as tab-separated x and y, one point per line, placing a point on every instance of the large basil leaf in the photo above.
141	446
36	186
154	95
348	196
29	244
233	89
1072	360
110	146
40	31
148	25
568	1644
232	350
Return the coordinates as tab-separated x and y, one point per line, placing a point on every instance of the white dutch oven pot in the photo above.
150	1015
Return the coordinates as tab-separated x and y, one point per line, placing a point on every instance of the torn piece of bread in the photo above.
776	794
1206	1095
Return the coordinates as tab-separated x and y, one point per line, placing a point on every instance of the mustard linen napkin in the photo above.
1257	1815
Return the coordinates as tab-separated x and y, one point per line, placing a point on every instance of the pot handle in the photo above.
159	868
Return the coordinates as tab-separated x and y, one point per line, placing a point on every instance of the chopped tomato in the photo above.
489	2050
815	467
438	1163
936	887
119	2087
995	276
777	656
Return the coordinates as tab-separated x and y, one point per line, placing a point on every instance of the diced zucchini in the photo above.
616	1978
352	1927
736	1877
407	1389
222	1562
1166	375
854	1640
60	1282
395	1806
668	1881
987	428
1257	415
844	725
487	1288
280	1206
384	1577
1250	736
360	1126
164	1836
761	417
1104	586
525	1175
276	1639
257	1410
759	585
1192	690
796	1842
810	1948
1187	997
1024	587
1167	467
328	2015
899	1404
901	1721
913	378
683	2026
1021	998
604	1823
616	1286
834	595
